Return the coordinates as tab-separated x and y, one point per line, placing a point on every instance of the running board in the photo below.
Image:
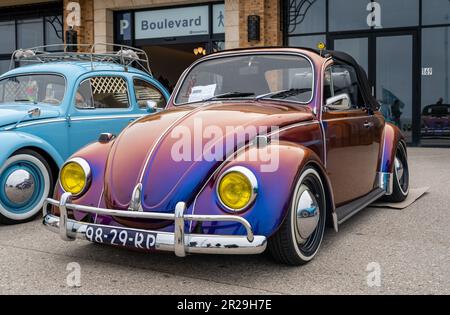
347	211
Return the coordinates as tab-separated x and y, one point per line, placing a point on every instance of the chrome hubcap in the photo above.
399	169
307	214
19	187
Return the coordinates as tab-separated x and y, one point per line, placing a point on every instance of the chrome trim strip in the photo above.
240	54
37	122
106	117
177	242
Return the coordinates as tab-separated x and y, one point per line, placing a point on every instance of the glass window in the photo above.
358	48
83	97
4	65
345	15
103	93
53	32
147	92
399	13
435	82
287	77
435	12
306	16
342	79
310	41
7	37
218	46
39	88
30	33
394	78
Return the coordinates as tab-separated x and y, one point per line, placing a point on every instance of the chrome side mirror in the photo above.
338	102
152	106
34	112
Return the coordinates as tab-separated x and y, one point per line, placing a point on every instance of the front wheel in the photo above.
25	182
400	188
298	239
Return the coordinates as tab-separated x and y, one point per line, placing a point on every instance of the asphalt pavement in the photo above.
379	250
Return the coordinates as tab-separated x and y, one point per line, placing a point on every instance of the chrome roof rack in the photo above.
120	54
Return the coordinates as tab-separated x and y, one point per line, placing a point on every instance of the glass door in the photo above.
394	80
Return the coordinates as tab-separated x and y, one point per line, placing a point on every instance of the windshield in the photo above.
36	88
274	76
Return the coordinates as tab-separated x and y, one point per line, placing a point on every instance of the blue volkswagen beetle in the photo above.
50	109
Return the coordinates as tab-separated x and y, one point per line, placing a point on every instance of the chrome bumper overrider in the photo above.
177	242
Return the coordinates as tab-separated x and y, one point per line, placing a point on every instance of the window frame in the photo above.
42	73
363	98
242	54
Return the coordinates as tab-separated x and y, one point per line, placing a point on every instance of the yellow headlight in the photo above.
236	189
73	177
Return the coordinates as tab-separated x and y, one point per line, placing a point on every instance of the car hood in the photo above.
12	113
147	152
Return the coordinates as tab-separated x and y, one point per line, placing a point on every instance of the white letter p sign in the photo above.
124	24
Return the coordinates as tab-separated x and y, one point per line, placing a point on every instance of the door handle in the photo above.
368	124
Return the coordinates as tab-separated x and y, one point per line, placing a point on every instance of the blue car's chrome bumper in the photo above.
177	242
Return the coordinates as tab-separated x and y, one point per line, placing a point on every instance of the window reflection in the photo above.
435	121
399	13
435	12
306	16
309	41
345	15
394	80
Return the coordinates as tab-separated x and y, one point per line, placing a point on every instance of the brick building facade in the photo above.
97	19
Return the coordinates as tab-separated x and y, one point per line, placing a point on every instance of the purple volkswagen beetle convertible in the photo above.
256	148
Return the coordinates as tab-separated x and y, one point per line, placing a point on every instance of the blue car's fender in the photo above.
11	141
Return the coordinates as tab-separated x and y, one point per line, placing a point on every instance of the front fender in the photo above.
391	137
96	154
275	189
11	141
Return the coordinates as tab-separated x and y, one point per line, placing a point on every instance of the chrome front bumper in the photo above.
177	242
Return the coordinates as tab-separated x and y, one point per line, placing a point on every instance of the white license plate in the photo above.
121	237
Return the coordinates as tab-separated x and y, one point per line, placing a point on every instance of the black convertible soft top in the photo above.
360	72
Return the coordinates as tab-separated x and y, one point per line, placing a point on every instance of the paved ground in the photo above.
411	246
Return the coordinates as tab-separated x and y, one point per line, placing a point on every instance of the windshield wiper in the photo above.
25	100
283	93
229	95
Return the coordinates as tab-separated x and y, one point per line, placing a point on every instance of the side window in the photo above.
83	97
147	92
341	78
102	93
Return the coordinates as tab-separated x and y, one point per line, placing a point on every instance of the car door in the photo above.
351	158
101	103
